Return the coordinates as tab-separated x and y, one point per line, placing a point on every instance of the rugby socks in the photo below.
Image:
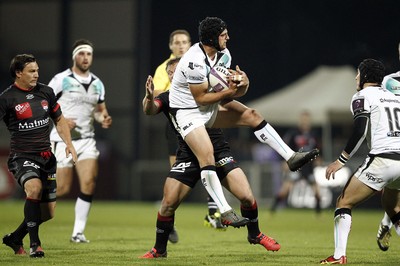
213	186
342	223
396	222
82	208
212	206
386	221
265	133
32	214
164	226
252	214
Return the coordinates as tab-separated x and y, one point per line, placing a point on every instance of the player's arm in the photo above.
150	107
64	132
203	97
101	115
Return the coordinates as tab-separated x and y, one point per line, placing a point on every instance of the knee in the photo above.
247	200
252	117
63	190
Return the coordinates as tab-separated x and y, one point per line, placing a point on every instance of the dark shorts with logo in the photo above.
25	166
187	170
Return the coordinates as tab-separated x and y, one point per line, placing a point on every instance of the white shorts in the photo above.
187	120
85	149
379	173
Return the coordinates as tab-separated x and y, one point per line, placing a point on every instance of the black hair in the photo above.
172	62
371	71
209	30
19	62
81	42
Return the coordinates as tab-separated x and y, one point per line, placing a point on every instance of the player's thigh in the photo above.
354	193
200	143
87	170
64	176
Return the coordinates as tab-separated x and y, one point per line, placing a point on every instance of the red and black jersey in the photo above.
27	116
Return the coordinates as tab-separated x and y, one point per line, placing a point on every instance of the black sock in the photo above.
32	219
252	214
212	206
164	225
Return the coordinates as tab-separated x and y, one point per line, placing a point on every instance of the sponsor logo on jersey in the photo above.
181	167
30	96
23	110
393	134
33	125
389	100
45	105
224	161
191	65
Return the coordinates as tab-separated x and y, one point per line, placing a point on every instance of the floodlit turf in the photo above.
122	231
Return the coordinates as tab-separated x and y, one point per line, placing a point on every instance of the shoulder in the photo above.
63	74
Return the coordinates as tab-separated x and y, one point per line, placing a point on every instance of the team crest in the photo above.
45	105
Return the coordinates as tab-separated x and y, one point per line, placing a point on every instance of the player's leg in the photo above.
391	204
174	192
200	143
353	193
64	177
235	114
389	201
236	182
87	173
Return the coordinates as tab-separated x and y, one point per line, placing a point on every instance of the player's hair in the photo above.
371	71
180	31
210	29
82	42
172	61
19	62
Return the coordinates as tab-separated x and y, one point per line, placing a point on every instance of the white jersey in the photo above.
392	83
384	109
78	98
193	68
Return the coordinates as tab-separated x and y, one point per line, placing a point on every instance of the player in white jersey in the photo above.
81	95
390	82
194	106
375	112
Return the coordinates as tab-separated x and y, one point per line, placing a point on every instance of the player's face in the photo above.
83	61
171	71
180	44
223	39
358	80
28	77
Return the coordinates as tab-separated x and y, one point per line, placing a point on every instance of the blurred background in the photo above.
299	55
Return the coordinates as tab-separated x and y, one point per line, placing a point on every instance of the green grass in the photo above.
122	231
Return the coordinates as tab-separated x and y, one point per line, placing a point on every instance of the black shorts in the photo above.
25	166
172	139
187	170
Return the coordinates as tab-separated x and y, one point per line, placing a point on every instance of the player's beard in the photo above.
84	68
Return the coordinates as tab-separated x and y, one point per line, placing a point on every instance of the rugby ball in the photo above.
218	79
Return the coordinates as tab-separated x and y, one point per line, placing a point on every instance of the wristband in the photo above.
342	159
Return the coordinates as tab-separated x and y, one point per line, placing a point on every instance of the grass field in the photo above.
122	231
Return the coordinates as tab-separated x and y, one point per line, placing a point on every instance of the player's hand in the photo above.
149	88
70	149
239	77
107	121
332	169
71	123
